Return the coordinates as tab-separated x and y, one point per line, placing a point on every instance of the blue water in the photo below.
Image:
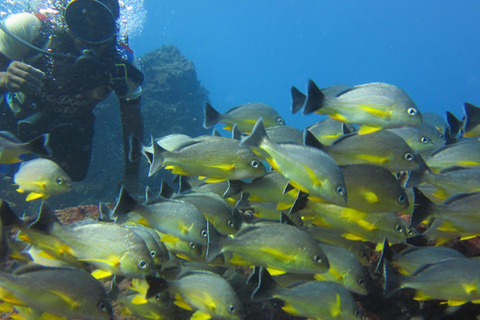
251	50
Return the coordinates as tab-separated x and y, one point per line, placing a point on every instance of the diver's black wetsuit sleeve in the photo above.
132	124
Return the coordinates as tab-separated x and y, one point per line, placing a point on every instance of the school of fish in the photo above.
309	217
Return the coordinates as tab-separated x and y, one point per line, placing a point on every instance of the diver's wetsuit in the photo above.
64	107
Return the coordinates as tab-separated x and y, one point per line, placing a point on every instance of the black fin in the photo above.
288	188
114	290
243	203
418	241
165	190
236	133
310	140
183	185
105	213
286	220
214	243
254	277
472	116
257	136
454	126
345	129
387	254
211	116
298	100
8	217
155	286
39	145
315	99
157	158
266	287
46	219
237	218
393	279
422	208
416	177
300	202
216	133
233	187
125	204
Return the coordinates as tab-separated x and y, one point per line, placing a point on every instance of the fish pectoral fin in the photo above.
20	190
448	226
114	262
215	180
470	287
51	316
71	301
455	303
199	315
275	271
368	129
100	274
177	170
139	300
336	308
223	167
366	225
468	237
354	237
377	112
422	296
169	238
370	196
338	117
289	308
180	302
283	206
35	195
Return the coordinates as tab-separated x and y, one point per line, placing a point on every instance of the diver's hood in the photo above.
90	20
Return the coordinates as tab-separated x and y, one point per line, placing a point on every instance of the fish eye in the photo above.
409	232
340	190
255	163
59	180
361	282
424	140
399	228
204	233
402	198
192	245
412	111
102	306
142	264
231	309
409	157
317	259
153	254
280	121
230	223
158	297
441	136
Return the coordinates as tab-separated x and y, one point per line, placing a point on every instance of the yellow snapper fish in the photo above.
454	280
244	116
60	292
423	139
11	148
280	247
471	127
328	130
307	169
372	106
382	148
41	178
206	293
319	300
215	158
460	154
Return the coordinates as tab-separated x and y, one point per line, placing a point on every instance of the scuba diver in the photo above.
53	76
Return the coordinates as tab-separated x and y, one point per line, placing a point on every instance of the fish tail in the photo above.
135	148
125	204
387	254
472	116
422	209
393	279
212	116
105	212
310	140
233	187
315	99
258	135
418	176
214	243
157	158
46	219
266	286
419	240
39	145
8	217
298	100
155	286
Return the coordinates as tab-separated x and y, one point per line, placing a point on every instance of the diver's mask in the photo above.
90	21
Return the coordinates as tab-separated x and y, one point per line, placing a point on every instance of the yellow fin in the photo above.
352	214
275	271
16	316
100	274
368	129
9	297
380	113
223	167
182	256
372	158
71	301
228	127
20	190
469	288
277	254
47	255
144	222
440	194
51	316
475	301
139	300
34	195
354	237
338	117
289	308
215	180
454	303
199	315
422	296
179	302
334	272
169	238
442	241
468	163
24	237
371	197
115	262
238	260
448	226
468	237
336	308
178	170
6	307
283	206
320	277
379	246
366	225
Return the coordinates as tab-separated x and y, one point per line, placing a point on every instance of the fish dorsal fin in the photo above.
343	137
28	268
298	99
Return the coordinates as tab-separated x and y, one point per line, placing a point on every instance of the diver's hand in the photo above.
21	77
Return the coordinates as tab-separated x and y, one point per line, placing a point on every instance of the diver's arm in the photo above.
21	77
132	124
